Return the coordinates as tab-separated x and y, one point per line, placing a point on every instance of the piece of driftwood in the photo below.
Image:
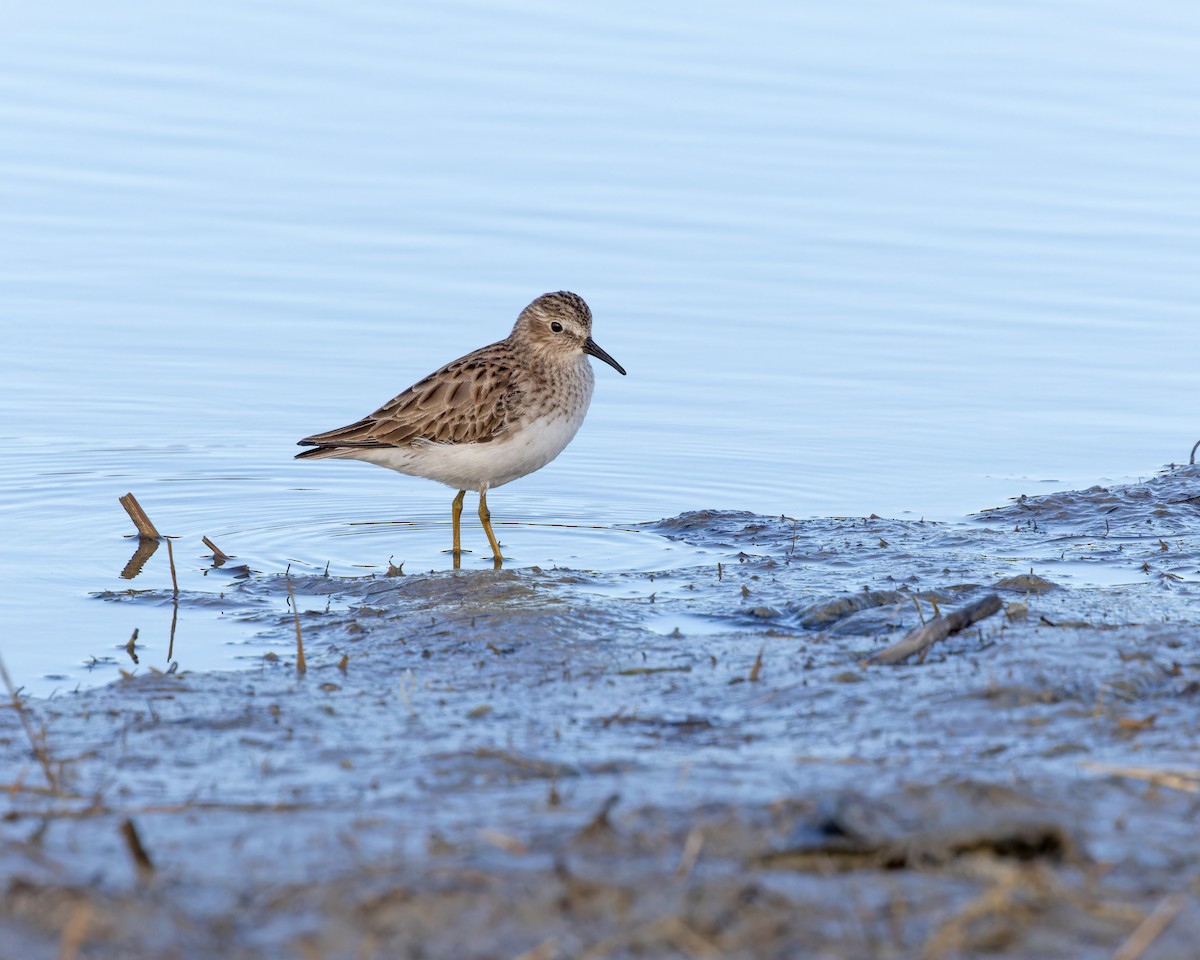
938	629
145	528
219	555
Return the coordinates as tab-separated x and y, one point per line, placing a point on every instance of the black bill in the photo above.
589	346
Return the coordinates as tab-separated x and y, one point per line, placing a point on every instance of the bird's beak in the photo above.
589	346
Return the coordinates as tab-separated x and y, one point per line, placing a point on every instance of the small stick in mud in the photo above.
130	645
1194	449
301	666
938	629
757	668
145	528
141	859
600	823
39	746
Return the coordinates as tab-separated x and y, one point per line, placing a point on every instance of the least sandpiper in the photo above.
492	416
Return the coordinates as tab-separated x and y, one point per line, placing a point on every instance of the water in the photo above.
910	259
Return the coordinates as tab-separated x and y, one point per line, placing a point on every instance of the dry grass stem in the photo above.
504	841
1186	780
37	744
691	852
145	528
301	666
171	560
546	950
174	624
95	808
74	930
999	904
1151	928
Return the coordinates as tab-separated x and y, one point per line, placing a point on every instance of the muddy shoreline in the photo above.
567	763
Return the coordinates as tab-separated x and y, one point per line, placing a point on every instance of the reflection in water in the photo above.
144	551
146	548
130	647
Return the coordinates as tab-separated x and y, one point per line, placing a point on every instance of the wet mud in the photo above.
548	763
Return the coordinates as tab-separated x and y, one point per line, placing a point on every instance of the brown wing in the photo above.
467	401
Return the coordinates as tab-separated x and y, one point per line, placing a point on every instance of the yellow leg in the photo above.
455	515
485	517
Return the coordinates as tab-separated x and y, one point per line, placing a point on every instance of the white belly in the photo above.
478	466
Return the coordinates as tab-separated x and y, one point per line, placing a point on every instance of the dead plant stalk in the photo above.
39	748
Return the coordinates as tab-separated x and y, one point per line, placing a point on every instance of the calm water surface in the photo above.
909	259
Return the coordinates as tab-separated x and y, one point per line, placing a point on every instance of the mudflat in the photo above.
699	762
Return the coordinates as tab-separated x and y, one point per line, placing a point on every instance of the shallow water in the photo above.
611	762
909	259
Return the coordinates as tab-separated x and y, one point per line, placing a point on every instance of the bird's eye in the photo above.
556	327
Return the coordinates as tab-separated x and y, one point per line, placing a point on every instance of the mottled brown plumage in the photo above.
490	417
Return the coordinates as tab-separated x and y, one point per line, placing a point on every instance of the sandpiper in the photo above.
490	417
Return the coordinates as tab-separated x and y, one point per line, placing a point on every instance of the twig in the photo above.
639	671
130	645
145	528
301	666
1151	928
1194	449
938	629
39	749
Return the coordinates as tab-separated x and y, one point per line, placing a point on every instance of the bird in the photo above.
488	418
